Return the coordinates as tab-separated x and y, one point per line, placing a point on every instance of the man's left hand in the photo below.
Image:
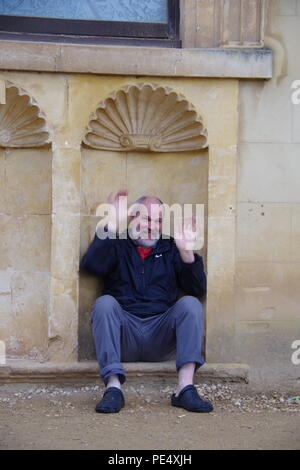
186	238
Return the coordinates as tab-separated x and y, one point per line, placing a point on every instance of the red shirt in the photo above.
144	251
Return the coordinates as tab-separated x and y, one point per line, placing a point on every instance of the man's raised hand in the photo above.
119	215
186	237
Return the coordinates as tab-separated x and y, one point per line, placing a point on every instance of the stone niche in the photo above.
25	220
49	195
147	138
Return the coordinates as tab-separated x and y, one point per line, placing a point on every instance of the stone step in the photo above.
18	370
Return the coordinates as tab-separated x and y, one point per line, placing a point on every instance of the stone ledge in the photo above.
16	370
226	62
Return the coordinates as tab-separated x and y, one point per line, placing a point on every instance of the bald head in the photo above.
151	199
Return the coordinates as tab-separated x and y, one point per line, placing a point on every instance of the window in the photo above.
139	22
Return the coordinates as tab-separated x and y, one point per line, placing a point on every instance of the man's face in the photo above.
148	222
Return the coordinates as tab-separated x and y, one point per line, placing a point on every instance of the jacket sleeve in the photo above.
101	256
191	276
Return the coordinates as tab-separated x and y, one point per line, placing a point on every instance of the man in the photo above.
139	317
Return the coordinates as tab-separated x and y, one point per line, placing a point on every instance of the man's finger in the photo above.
122	192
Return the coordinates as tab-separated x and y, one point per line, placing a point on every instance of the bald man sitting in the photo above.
139	316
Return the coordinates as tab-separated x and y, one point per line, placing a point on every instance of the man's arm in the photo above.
189	265
191	275
102	254
101	257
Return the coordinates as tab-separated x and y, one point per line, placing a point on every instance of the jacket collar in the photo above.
163	244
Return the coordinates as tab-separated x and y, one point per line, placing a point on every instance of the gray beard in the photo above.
145	243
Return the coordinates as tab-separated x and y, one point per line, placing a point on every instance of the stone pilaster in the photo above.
63	314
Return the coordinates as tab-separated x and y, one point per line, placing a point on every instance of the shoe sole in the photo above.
109	411
192	409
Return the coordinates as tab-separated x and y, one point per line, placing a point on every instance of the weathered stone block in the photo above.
295	235
274	168
102	172
65	246
63	320
267	291
263	118
21	241
5	280
5	312
296	121
27	181
284	7
25	329
66	180
263	232
266	347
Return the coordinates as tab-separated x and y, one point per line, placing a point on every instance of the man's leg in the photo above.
185	376
115	334
189	327
106	327
180	327
113	381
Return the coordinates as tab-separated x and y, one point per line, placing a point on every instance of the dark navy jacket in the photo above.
144	286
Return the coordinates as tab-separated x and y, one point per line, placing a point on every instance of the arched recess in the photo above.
22	123
25	224
146	117
150	139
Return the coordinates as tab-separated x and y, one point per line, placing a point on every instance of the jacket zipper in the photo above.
140	330
143	275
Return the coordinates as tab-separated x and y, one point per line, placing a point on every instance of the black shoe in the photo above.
190	400
112	401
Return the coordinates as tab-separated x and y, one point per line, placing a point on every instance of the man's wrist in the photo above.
187	256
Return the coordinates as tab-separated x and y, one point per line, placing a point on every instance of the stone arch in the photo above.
146	117
22	123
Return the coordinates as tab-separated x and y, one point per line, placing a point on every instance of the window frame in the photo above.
93	31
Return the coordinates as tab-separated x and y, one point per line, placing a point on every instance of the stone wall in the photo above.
71	183
268	217
25	221
247	179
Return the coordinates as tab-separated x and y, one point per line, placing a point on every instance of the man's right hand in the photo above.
121	209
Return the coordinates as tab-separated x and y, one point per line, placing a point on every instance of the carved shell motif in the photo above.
22	123
146	117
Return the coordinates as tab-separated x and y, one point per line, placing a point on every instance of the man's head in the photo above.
146	222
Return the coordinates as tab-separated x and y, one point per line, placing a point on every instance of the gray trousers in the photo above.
122	336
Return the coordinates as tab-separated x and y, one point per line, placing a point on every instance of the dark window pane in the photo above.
151	11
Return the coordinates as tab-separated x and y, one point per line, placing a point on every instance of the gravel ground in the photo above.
62	416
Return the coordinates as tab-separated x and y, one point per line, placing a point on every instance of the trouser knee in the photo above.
103	306
190	307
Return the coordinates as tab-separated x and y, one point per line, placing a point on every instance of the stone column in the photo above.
222	191
63	314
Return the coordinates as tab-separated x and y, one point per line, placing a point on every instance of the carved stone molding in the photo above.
146	117
22	123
